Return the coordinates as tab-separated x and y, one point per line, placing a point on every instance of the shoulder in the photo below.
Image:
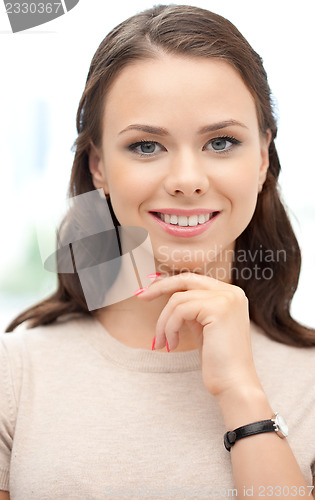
42	341
29	355
278	361
261	341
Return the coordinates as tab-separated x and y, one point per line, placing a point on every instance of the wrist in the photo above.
244	405
276	424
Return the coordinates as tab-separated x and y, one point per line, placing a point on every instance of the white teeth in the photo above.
193	220
166	218
174	219
183	221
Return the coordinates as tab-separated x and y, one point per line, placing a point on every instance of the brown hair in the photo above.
193	32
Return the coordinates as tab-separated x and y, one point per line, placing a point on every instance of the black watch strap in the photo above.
231	437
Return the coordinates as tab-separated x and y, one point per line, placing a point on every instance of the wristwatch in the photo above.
276	424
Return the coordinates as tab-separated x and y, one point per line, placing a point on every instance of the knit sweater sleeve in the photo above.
7	414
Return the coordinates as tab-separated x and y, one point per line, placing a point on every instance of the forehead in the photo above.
177	89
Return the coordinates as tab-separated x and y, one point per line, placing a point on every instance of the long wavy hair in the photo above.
192	32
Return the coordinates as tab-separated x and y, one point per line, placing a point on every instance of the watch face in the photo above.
282	426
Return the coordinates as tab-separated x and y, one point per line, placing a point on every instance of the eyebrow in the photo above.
163	132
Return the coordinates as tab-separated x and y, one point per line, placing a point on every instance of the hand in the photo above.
217	314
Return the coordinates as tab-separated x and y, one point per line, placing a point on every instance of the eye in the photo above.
223	144
145	148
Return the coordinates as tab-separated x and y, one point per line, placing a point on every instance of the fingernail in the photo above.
153	343
153	275
167	346
141	290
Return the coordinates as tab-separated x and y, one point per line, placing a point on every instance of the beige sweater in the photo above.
82	416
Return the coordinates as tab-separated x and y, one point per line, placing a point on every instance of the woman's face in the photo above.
182	156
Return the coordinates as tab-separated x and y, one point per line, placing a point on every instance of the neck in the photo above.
133	321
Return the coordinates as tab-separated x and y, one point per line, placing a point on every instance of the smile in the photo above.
183	220
187	223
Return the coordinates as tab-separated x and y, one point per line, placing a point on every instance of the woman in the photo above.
155	395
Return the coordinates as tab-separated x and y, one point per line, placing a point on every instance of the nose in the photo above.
187	176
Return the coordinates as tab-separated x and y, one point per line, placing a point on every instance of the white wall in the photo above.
42	75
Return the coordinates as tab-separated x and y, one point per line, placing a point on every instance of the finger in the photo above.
183	312
188	306
181	282
207	303
197	330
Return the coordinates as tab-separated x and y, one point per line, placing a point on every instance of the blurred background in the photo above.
42	76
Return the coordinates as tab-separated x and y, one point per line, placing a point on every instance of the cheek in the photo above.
240	187
128	189
245	174
245	188
245	201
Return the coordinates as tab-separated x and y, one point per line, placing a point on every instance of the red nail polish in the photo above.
167	346
141	290
153	343
154	275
